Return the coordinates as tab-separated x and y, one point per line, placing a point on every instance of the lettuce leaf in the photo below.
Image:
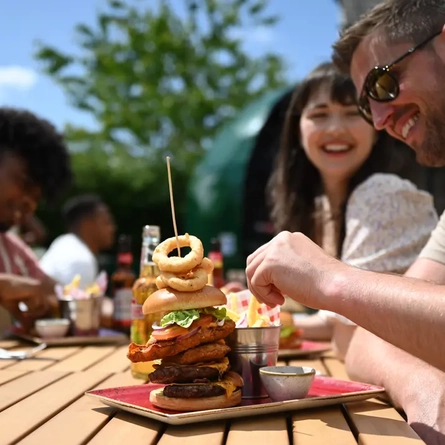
219	313
287	331
181	318
186	318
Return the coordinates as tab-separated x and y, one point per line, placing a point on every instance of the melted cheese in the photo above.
227	384
221	366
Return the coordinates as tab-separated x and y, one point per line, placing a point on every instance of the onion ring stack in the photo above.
186	274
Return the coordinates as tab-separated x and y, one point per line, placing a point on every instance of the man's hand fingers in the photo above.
257	252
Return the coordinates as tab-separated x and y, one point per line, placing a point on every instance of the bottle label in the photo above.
136	311
125	258
122	305
217	259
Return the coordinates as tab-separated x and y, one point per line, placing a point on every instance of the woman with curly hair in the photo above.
34	166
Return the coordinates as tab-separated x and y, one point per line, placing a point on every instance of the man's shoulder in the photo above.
70	242
67	238
67	248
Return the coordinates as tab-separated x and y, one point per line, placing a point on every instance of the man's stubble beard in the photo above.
431	151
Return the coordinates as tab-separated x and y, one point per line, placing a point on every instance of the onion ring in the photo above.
178	264
207	265
160	284
192	281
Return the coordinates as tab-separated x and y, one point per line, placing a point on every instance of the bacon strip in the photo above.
167	348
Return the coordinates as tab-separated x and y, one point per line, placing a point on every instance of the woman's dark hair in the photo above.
41	147
295	182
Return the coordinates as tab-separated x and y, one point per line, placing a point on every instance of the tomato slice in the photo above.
202	321
176	331
169	333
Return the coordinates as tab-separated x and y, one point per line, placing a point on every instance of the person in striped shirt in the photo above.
34	166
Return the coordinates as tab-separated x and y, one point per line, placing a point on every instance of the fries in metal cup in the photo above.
254	342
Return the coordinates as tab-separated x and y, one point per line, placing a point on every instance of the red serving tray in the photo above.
324	391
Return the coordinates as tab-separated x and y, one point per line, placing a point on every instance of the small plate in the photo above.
105	337
308	348
325	391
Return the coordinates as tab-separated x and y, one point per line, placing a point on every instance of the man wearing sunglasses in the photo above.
396	57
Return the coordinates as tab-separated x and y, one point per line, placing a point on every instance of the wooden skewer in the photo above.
172	203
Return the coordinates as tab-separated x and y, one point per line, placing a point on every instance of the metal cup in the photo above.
84	315
251	349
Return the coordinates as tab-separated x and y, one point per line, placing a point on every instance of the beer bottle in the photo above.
216	278
143	287
122	282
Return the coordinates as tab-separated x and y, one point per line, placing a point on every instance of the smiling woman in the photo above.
345	186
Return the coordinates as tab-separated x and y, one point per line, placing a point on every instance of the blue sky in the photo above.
303	37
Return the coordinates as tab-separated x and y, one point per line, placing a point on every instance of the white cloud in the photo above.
14	77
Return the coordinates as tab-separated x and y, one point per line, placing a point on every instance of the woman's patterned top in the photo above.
388	222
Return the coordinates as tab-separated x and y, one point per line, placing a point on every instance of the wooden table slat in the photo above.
116	362
45	359
320	427
4	364
259	431
22	387
85	358
199	434
31	412
127	428
49	389
9	344
7	376
82	419
335	368
380	424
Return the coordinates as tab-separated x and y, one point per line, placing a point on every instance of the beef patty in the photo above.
193	391
183	374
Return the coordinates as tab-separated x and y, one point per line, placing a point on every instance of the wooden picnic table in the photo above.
42	401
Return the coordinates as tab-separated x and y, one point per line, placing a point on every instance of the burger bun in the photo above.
158	399
286	319
168	300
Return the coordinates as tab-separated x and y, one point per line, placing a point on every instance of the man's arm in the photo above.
406	312
428	270
422	386
411	383
368	366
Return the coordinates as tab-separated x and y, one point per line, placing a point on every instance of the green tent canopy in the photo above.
218	195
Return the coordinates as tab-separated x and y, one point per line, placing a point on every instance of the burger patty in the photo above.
168	348
183	374
207	352
193	391
292	342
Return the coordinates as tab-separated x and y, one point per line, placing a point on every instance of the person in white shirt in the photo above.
91	229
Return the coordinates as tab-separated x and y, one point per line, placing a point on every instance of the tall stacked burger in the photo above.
188	343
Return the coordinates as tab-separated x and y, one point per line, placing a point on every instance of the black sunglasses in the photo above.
381	85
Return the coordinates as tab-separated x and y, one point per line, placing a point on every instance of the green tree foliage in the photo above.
158	82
